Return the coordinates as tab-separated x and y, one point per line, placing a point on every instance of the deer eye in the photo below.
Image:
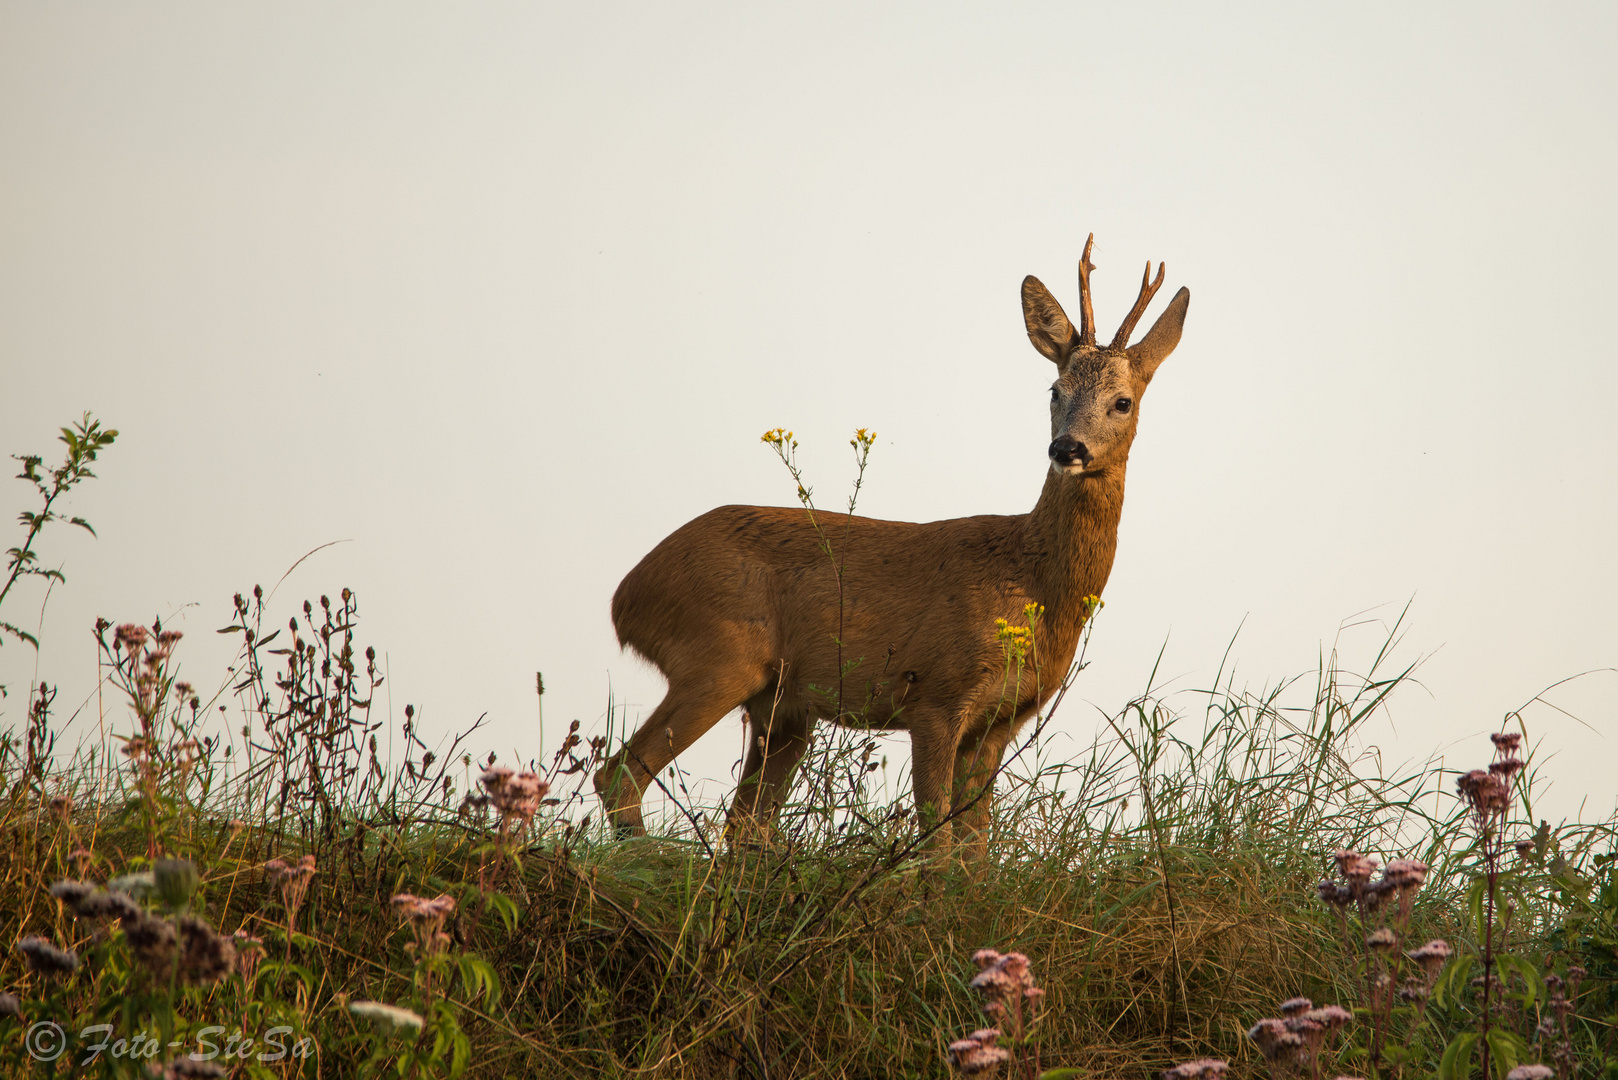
1054	395
1122	404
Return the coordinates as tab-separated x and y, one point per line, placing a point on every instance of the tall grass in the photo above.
1163	880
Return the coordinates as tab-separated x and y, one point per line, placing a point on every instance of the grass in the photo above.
1163	883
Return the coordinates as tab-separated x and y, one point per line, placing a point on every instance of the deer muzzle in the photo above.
1068	452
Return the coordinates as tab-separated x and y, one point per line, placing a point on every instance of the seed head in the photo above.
1506	742
1201	1069
72	893
1275	1042
1330	1017
1353	865
1432	957
993	982
496	776
1531	1072
205	956
1381	940
293	880
390	1019
1312	1033
1334	893
45	958
152	940
517	796
1405	873
249	951
1506	768
1486	791
977	1052
1016	965
426	919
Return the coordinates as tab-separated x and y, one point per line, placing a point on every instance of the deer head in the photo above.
1095	401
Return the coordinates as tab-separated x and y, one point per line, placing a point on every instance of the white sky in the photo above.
503	294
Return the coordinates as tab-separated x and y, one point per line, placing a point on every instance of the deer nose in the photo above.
1065	451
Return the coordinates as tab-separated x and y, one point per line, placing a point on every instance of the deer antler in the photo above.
1087	317
1148	289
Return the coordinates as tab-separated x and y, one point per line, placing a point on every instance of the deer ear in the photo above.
1160	340
1047	323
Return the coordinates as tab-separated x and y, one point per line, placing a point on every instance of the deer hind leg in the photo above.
688	710
976	761
777	736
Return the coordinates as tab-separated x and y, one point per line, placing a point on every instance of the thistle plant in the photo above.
1399	984
292	881
1487	795
427	1039
166	759
1011	1000
1382	908
1200	1069
1295	1042
131	963
1553	1036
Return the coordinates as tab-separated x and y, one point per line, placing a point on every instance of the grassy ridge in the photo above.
1162	885
1162	882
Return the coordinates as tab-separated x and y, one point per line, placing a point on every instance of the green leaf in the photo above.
1506	1051
85	525
19	633
1060	1074
505	908
1452	980
1528	972
1474	903
479	979
1457	1056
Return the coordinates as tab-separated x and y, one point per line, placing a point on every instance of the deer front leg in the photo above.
976	763
933	743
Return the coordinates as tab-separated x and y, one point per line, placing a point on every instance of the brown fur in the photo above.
740	606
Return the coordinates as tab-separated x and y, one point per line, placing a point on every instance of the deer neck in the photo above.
1071	537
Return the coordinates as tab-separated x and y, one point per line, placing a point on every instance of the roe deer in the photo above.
740	607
